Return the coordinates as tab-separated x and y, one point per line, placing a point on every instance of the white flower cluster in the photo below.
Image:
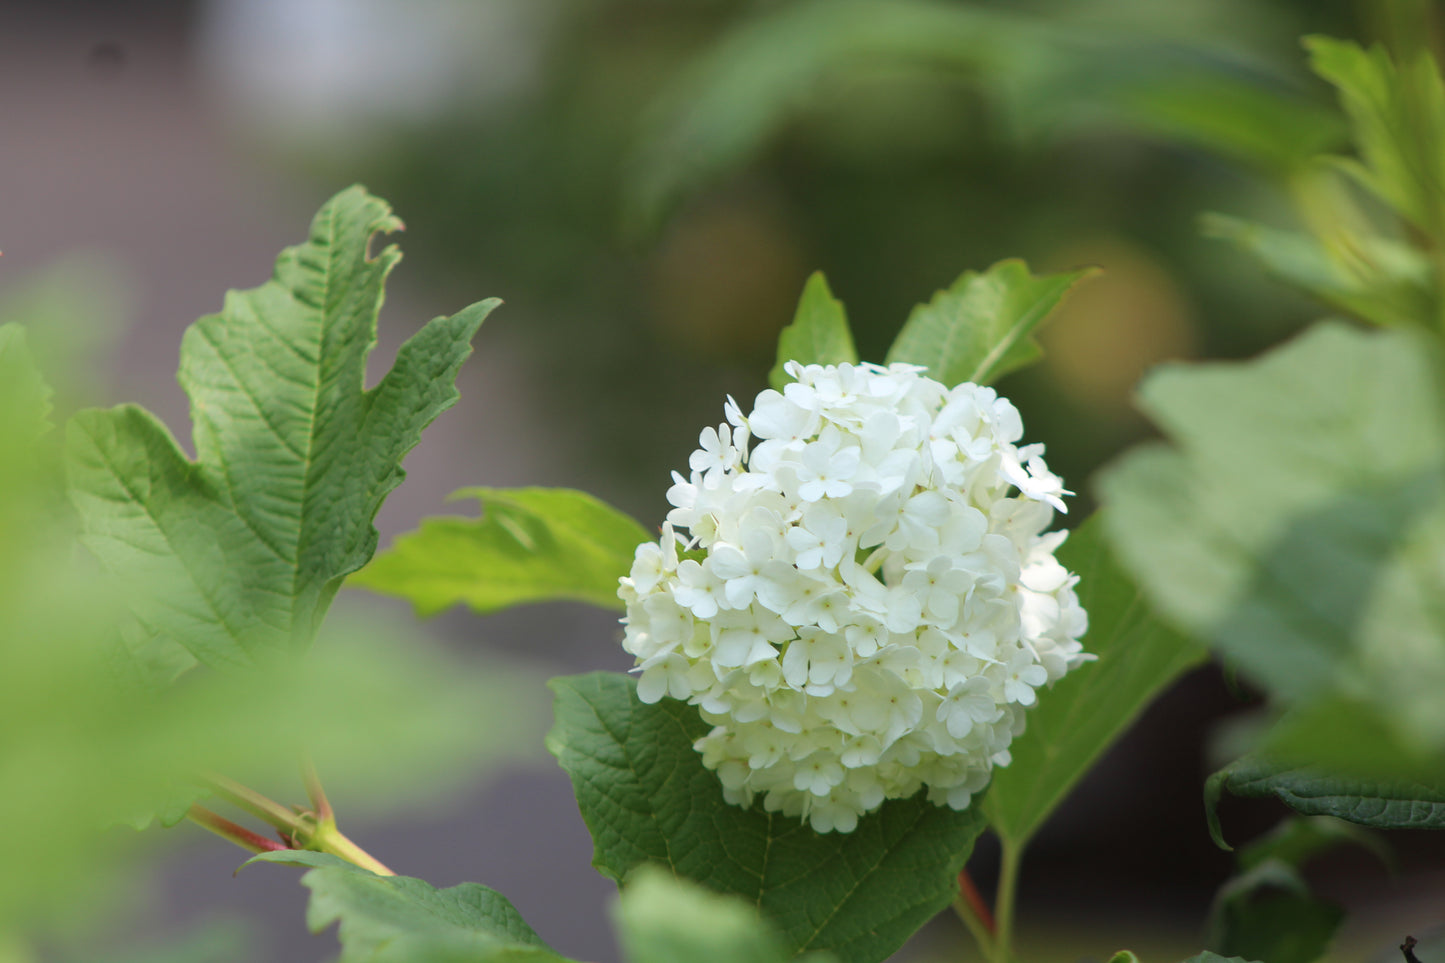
866	601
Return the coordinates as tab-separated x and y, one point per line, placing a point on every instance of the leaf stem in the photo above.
329	839
315	830
256	804
1008	881
970	907
319	803
226	829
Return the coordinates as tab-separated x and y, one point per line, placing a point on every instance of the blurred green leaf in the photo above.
1385	282
1298	839
73	308
223	941
1124	956
980	328
398	919
646	798
236	556
530	545
818	335
732	100
1208	957
1397	115
1295	522
663	919
1044	75
1273	129
24	393
1082	715
1392	804
79	751
1268	913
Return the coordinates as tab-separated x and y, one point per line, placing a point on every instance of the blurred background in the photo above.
647	184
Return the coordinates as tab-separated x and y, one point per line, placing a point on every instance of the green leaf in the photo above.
24	393
1270	127
1082	715
1380	804
1294	521
392	919
1042	77
237	555
1268	913
217	941
1397	115
1382	281
646	798
733	99
980	329
1298	839
1124	956
818	335
1208	957
530	545
663	919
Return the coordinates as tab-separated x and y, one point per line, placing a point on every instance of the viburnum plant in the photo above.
858	640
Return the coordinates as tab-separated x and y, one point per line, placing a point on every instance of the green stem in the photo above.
315	831
328	839
1008	881
970	907
319	803
256	804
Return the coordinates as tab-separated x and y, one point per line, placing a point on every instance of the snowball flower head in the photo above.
855	588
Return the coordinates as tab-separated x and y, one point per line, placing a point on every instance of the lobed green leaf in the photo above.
647	799
236	556
530	545
818	335
1292	521
980	328
1082	715
399	919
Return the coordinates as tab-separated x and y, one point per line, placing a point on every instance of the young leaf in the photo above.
646	798
980	328
1397	115
1269	913
24	393
1294	521
530	545
237	555
1386	283
1381	804
818	335
1086	711
663	919
398	919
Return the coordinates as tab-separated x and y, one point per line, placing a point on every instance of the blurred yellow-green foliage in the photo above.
651	195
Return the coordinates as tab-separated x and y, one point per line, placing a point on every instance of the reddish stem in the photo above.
975	902
226	829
